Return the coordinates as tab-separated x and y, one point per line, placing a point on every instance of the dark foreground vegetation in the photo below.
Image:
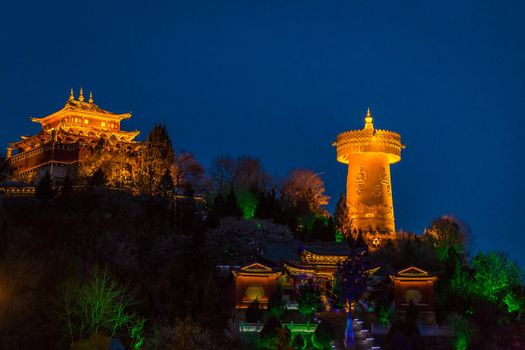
82	263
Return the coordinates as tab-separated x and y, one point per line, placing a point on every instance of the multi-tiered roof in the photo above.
78	120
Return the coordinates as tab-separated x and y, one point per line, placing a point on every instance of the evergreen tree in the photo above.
342	221
157	156
44	189
166	188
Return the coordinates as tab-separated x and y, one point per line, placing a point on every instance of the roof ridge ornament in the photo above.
71	95
90	97
369	125
81	95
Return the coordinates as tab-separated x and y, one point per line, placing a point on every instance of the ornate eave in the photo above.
73	135
122	136
312	258
81	109
256	269
413	273
368	139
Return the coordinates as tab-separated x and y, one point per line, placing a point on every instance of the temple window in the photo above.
102	124
86	121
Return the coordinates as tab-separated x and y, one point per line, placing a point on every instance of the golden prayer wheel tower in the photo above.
369	153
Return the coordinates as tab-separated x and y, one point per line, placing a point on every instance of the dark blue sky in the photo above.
279	79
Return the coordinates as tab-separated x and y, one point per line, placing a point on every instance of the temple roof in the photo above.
81	108
413	273
68	135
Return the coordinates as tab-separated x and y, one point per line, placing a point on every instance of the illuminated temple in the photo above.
76	141
289	265
369	153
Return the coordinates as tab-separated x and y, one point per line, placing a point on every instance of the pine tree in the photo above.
342	221
157	156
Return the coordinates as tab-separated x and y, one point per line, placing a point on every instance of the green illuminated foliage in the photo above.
461	282
309	301
339	237
464	331
324	334
299	342
97	306
248	202
136	333
385	314
494	275
514	302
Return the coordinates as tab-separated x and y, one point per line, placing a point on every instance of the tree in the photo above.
188	175
44	189
447	232
304	190
166	188
157	156
323	336
237	240
494	275
98	306
270	333
309	301
276	303
242	174
343	223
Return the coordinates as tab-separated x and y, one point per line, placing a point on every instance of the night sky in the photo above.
279	80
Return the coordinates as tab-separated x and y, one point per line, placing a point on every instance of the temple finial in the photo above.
81	95
368	120
71	95
90	97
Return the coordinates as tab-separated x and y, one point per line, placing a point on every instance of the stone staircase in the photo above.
363	339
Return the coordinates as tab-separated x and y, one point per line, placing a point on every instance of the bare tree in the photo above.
242	174
305	189
188	175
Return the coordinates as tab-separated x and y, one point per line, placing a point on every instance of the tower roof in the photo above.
368	140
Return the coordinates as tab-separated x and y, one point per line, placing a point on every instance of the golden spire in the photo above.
81	95
71	95
90	97
368	120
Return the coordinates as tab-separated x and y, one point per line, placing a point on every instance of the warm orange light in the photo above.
369	153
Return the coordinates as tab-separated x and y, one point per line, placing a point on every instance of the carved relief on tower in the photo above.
385	180
360	179
359	189
377	191
382	211
361	176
